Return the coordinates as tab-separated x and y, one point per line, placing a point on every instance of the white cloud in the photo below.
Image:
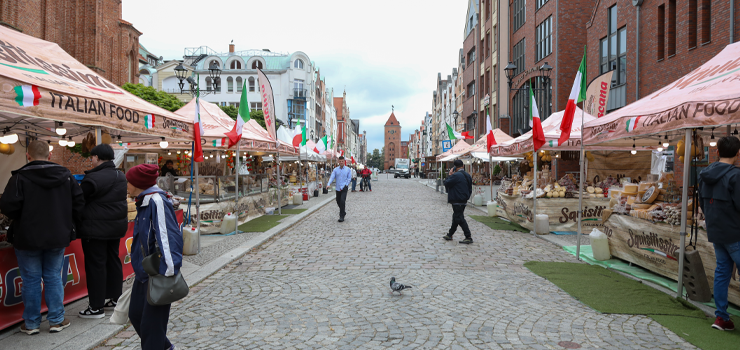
384	52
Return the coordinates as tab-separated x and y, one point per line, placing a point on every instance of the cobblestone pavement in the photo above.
324	285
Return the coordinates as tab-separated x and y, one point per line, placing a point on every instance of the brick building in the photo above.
544	31
343	121
470	67
392	141
91	31
491	69
404	150
674	37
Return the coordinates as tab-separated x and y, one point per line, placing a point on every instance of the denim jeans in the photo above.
354	183
726	254
37	265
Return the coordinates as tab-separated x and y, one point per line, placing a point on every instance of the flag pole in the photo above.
236	169
534	194
580	193
197	198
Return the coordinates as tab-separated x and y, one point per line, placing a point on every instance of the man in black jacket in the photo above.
104	223
719	198
44	202
459	187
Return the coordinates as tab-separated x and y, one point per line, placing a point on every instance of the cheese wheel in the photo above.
549	194
590	189
651	194
598	190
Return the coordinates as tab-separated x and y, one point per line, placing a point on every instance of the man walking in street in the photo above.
354	179
719	198
45	203
343	176
459	187
104	223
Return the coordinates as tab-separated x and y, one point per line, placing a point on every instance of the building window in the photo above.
471	89
298	64
251	83
488	44
520	14
235	104
520	120
661	32
613	53
541	3
706	21
482	49
256	65
519	51
544	39
239	84
229	84
471	56
671	28
209	83
693	28
256	105
236	64
488	9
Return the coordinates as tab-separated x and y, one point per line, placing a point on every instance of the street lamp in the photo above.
213	72
455	114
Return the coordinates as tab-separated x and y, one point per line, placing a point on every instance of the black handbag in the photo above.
162	290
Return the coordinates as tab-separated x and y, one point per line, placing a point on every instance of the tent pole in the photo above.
534	195
236	182
490	175
98	136
581	176
197	201
684	205
280	208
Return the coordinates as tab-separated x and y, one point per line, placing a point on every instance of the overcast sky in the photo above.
384	52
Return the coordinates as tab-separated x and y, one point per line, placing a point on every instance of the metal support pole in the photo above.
582	175
280	206
534	196
684	204
236	183
98	135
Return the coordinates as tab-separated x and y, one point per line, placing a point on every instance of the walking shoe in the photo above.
341	220
362	191
466	241
56	328
723	325
110	304
447	237
29	331
90	313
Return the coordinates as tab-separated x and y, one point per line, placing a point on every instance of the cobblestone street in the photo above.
324	285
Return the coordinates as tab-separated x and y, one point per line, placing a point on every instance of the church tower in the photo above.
392	142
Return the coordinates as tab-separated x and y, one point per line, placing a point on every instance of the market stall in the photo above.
689	110
47	95
481	167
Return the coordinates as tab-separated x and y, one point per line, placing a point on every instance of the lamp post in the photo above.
544	74
213	72
455	114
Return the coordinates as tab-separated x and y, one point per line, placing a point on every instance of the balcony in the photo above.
300	93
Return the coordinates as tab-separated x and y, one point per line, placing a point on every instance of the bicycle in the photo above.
365	184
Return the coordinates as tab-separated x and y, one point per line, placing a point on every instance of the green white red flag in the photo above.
454	135
632	123
27	95
149	121
577	94
222	142
242	118
322	145
538	136
490	139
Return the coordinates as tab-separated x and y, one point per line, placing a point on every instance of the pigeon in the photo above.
397	287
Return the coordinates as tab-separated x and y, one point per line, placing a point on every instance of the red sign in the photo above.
73	276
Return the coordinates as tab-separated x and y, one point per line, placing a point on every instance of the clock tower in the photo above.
392	142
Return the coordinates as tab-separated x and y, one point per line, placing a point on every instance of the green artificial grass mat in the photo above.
609	292
292	211
262	223
498	224
698	331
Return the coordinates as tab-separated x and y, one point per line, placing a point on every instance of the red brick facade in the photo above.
92	31
655	72
392	142
568	38
469	75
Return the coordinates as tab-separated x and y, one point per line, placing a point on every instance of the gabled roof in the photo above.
392	120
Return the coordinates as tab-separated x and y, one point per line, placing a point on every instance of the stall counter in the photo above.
75	281
562	212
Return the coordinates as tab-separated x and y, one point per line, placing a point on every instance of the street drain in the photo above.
569	345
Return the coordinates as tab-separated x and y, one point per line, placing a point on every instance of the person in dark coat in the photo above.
719	199
104	223
168	168
45	203
459	185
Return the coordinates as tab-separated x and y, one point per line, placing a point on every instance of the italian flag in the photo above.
27	95
299	135
242	118
197	129
322	145
452	134
490	139
538	136
659	253
222	142
577	94
632	123
149	121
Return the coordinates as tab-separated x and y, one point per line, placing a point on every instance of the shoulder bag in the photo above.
161	289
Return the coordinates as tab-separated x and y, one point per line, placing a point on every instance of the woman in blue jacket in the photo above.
155	220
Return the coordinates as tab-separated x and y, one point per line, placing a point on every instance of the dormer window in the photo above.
236	64
256	65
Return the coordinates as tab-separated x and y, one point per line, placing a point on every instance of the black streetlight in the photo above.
213	72
455	114
545	71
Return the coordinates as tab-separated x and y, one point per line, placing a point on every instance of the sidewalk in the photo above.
216	252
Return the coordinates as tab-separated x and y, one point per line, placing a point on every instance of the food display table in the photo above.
655	247
562	212
73	276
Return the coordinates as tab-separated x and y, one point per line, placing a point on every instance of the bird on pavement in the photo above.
397	287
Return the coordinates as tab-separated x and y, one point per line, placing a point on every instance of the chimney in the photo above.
231	48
